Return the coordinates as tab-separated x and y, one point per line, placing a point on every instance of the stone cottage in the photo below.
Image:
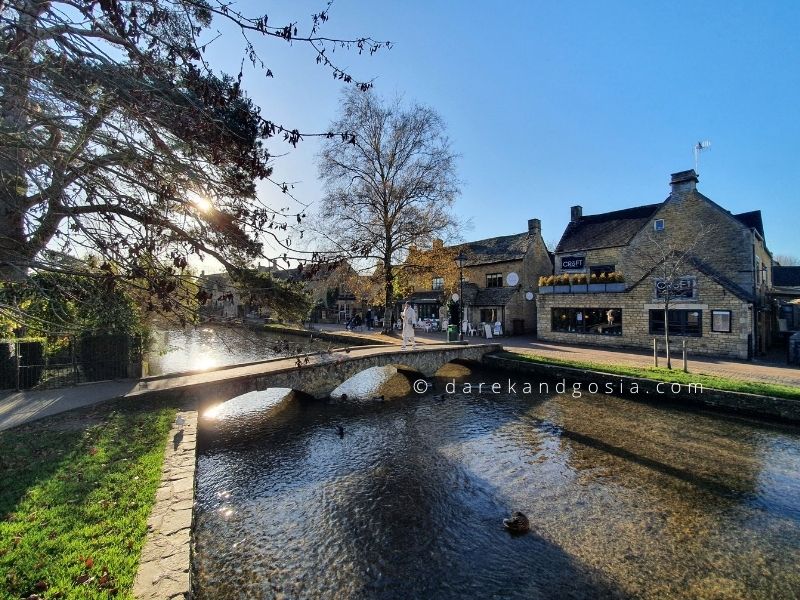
614	272
500	280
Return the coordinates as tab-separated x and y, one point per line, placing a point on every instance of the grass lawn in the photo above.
76	493
674	375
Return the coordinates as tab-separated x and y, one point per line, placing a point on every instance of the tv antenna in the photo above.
698	148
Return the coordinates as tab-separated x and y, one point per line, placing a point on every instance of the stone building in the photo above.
614	271
500	280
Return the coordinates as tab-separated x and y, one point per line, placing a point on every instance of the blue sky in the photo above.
551	104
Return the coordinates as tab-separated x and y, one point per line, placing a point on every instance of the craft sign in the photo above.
572	263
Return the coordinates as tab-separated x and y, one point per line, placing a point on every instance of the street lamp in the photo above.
461	260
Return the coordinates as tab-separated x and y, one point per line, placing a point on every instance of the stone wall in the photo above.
636	304
594	257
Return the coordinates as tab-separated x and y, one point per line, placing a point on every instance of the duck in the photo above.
343	397
340	430
380	398
518	523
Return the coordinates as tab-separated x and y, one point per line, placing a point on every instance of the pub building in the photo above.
609	284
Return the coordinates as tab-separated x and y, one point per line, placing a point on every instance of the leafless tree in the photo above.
787	260
389	187
669	260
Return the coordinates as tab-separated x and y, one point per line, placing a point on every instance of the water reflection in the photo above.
625	500
207	347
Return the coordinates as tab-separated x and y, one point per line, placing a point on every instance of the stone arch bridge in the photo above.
317	374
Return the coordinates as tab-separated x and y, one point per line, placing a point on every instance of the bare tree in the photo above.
389	187
118	139
669	260
787	260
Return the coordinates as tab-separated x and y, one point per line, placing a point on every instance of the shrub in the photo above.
542	281
603	278
106	356
579	279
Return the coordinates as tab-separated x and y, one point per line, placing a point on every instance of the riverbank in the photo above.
77	492
651	385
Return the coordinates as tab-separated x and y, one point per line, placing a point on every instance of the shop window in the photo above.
437	283
721	321
598	270
494	280
681	322
598	321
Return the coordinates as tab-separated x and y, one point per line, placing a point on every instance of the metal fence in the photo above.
59	360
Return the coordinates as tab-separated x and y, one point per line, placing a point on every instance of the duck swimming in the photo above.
518	523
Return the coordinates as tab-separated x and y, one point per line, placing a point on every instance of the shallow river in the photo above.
625	500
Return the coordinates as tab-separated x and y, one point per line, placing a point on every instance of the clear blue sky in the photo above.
552	104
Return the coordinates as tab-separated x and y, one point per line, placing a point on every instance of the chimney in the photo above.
438	243
683	181
534	227
575	213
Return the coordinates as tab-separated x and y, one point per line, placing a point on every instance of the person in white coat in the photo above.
409	316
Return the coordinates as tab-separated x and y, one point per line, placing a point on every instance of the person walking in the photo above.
409	320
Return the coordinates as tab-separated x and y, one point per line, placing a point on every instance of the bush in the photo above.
106	356
8	377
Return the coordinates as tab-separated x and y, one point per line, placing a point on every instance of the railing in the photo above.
60	360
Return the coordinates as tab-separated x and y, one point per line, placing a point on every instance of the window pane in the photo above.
721	321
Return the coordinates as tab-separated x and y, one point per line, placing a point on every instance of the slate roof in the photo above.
605	230
786	276
496	249
499	296
751	220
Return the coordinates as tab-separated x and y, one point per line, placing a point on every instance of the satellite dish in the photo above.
455	297
512	278
528	295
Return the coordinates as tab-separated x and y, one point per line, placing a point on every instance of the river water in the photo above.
210	346
625	499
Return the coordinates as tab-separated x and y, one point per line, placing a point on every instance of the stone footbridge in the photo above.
317	374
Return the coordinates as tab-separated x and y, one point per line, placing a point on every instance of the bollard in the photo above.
655	352
685	367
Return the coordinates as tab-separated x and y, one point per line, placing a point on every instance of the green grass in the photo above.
76	493
674	375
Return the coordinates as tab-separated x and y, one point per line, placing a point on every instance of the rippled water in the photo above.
625	500
209	346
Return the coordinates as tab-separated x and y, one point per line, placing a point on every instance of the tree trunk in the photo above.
666	334
388	312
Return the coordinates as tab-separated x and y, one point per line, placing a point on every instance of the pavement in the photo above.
17	408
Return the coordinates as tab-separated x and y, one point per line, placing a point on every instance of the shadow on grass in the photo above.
77	490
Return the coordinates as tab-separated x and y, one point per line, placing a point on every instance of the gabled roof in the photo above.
751	220
496	249
605	230
786	276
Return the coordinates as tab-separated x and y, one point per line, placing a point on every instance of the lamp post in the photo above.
461	261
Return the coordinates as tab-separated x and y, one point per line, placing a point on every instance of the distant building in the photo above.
719	303
500	281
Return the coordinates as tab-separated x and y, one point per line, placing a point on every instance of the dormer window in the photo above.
658	225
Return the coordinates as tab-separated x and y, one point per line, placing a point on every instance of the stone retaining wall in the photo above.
750	404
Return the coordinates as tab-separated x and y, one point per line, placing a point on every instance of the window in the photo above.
684	288
721	321
598	270
681	322
658	225
488	315
599	321
437	283
494	280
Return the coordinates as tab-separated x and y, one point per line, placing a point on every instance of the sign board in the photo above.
487	330
572	263
682	287
512	279
454	297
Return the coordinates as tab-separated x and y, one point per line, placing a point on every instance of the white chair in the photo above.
471	330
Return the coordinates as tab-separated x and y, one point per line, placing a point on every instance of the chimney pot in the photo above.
534	227
576	213
683	181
